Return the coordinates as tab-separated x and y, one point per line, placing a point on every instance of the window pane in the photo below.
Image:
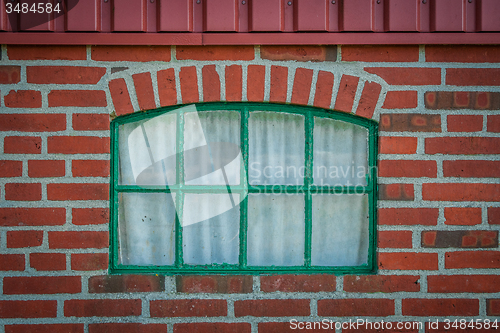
147	151
211	229
340	153
212	148
276	149
146	228
276	230
340	230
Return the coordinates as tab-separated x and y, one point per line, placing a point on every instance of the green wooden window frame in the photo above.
245	108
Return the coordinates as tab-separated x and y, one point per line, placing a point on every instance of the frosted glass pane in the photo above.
212	148
146	228
340	153
147	151
276	148
340	230
211	225
276	230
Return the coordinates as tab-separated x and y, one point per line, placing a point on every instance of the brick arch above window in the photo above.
346	92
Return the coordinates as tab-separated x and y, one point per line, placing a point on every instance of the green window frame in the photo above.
308	189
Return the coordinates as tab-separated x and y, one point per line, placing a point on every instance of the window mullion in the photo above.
179	197
244	182
308	181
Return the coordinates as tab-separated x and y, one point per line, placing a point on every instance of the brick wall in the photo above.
439	211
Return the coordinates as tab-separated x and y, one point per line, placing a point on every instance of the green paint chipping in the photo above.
180	189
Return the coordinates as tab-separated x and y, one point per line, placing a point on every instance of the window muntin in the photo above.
314	220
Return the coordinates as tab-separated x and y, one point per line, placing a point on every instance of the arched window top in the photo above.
243	187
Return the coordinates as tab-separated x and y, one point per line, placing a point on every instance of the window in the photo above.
243	188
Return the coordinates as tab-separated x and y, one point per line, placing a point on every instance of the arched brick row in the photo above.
301	86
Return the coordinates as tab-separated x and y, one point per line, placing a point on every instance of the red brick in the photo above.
287	327
462	145
80	98
45	328
120	96
463	283
379	327
346	93
410	122
493	307
47	52
10	74
23	192
450	100
64	192
86	216
395	239
381	283
459	238
126	283
299	53
494	215
77	145
380	53
255	83
298	283
472	259
473	76
396	192
464	123
212	53
213	328
272	308
10	217
408	261
407	75
234	78
440	307
462	215
89	261
407	168
11	262
11	169
141	53
368	100
33	122
28	309
397	145
188	308
302	86
166	87
144	91
90	168
15	285
279	84
324	87
462	53
408	216
48	261
46	168
401	100
102	307
236	284
189	85
493	124
90	122
461	192
471	168
367	307
64	74
127	328
211	84
78	239
23	99
24	238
